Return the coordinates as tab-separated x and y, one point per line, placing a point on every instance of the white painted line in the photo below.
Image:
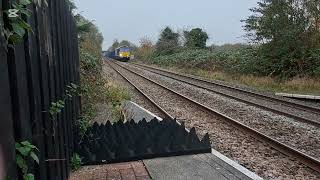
148	112
232	163
301	96
237	166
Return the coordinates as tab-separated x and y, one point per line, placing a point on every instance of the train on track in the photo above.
122	53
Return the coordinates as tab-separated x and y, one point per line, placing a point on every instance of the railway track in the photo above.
165	113
297	111
309	161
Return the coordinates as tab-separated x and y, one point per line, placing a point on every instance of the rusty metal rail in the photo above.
166	114
311	109
309	161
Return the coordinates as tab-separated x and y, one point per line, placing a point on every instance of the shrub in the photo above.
76	162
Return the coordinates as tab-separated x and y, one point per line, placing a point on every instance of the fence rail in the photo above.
33	74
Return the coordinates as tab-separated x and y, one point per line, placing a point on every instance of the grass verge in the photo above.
299	85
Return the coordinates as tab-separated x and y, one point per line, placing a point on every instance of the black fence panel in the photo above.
120	142
34	73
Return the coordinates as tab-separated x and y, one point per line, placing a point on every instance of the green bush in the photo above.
76	162
89	63
237	61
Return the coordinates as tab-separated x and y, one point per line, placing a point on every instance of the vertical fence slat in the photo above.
7	150
35	97
35	73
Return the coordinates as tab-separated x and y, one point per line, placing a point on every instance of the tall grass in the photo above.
302	85
242	65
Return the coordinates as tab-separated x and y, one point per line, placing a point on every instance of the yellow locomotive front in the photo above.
123	53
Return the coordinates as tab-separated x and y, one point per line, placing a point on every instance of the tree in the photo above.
168	42
196	38
127	43
288	32
114	45
146	49
145	42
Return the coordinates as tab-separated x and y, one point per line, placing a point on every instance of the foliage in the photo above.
56	107
117	44
76	162
289	34
244	60
17	25
91	80
196	38
24	151
128	43
146	50
114	45
168	42
90	38
89	63
116	96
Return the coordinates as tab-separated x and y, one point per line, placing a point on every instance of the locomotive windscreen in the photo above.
124	49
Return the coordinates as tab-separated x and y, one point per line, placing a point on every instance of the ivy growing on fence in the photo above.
71	91
24	151
18	26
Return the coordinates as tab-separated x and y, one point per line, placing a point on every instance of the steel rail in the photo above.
298	118
167	115
301	106
306	159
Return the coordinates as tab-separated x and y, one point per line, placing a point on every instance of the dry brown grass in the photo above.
300	85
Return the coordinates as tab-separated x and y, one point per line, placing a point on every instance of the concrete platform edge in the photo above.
228	161
237	166
299	96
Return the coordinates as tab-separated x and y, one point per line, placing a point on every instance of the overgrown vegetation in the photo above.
288	35
18	27
25	151
284	46
76	162
117	44
94	87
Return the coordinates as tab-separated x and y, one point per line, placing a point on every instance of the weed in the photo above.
24	151
76	162
116	96
303	85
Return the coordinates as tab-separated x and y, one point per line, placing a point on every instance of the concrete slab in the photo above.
137	113
197	167
298	96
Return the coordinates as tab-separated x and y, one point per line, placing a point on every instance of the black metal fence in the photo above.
34	73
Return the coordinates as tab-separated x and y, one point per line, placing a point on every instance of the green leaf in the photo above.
18	29
14	38
24	150
28	177
25	25
34	157
26	12
28	144
21	163
18	145
24	2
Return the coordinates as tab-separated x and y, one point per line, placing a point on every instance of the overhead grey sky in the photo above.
133	19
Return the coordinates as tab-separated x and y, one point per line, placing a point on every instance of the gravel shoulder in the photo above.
241	86
114	77
301	136
237	145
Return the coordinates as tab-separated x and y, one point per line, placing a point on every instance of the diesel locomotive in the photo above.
122	53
